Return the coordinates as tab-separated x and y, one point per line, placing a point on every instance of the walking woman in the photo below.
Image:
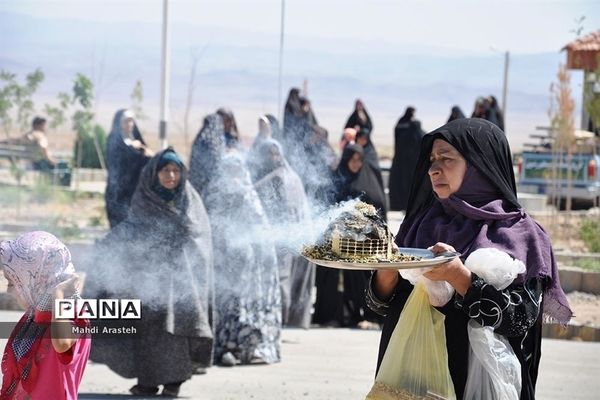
464	197
232	135
354	178
126	155
456	113
408	135
253	157
207	150
248	299
161	254
284	200
359	119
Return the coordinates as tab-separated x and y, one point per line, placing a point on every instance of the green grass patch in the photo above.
41	193
589	231
589	264
96	221
61	227
12	195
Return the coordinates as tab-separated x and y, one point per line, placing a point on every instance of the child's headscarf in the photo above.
35	262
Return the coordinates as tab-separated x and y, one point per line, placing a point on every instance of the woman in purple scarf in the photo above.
464	197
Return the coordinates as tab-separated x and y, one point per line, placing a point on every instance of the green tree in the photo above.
562	110
57	114
6	100
23	98
13	94
90	137
83	91
562	121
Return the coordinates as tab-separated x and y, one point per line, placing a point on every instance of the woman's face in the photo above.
127	125
169	176
227	123
447	168
363	140
274	155
355	163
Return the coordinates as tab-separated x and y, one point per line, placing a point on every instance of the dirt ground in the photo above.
65	211
563	228
586	308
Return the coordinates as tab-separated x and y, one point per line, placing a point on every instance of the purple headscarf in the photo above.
479	215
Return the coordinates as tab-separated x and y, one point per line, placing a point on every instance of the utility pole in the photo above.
282	30
505	83
164	77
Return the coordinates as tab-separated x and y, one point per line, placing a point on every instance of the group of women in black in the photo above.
200	242
195	245
204	248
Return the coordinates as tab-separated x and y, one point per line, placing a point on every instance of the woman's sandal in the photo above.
171	390
229	360
139	390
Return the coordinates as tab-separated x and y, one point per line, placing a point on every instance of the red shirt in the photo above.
59	374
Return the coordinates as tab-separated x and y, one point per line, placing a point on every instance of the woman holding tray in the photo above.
464	197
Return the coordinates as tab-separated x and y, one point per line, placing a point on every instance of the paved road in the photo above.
332	364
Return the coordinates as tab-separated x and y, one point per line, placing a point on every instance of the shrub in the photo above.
589	231
590	265
89	155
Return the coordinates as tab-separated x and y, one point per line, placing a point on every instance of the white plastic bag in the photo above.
494	266
494	369
440	292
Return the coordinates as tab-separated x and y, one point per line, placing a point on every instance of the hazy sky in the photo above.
468	25
345	48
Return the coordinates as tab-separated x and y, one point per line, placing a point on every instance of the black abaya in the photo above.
340	296
408	136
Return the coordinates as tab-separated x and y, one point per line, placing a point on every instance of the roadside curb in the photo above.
574	332
574	279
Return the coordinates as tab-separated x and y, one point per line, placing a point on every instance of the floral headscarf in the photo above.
35	262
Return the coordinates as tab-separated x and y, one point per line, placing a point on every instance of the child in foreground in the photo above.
42	359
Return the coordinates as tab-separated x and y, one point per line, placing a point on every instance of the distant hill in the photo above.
239	69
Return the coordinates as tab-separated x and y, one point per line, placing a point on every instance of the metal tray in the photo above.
428	260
